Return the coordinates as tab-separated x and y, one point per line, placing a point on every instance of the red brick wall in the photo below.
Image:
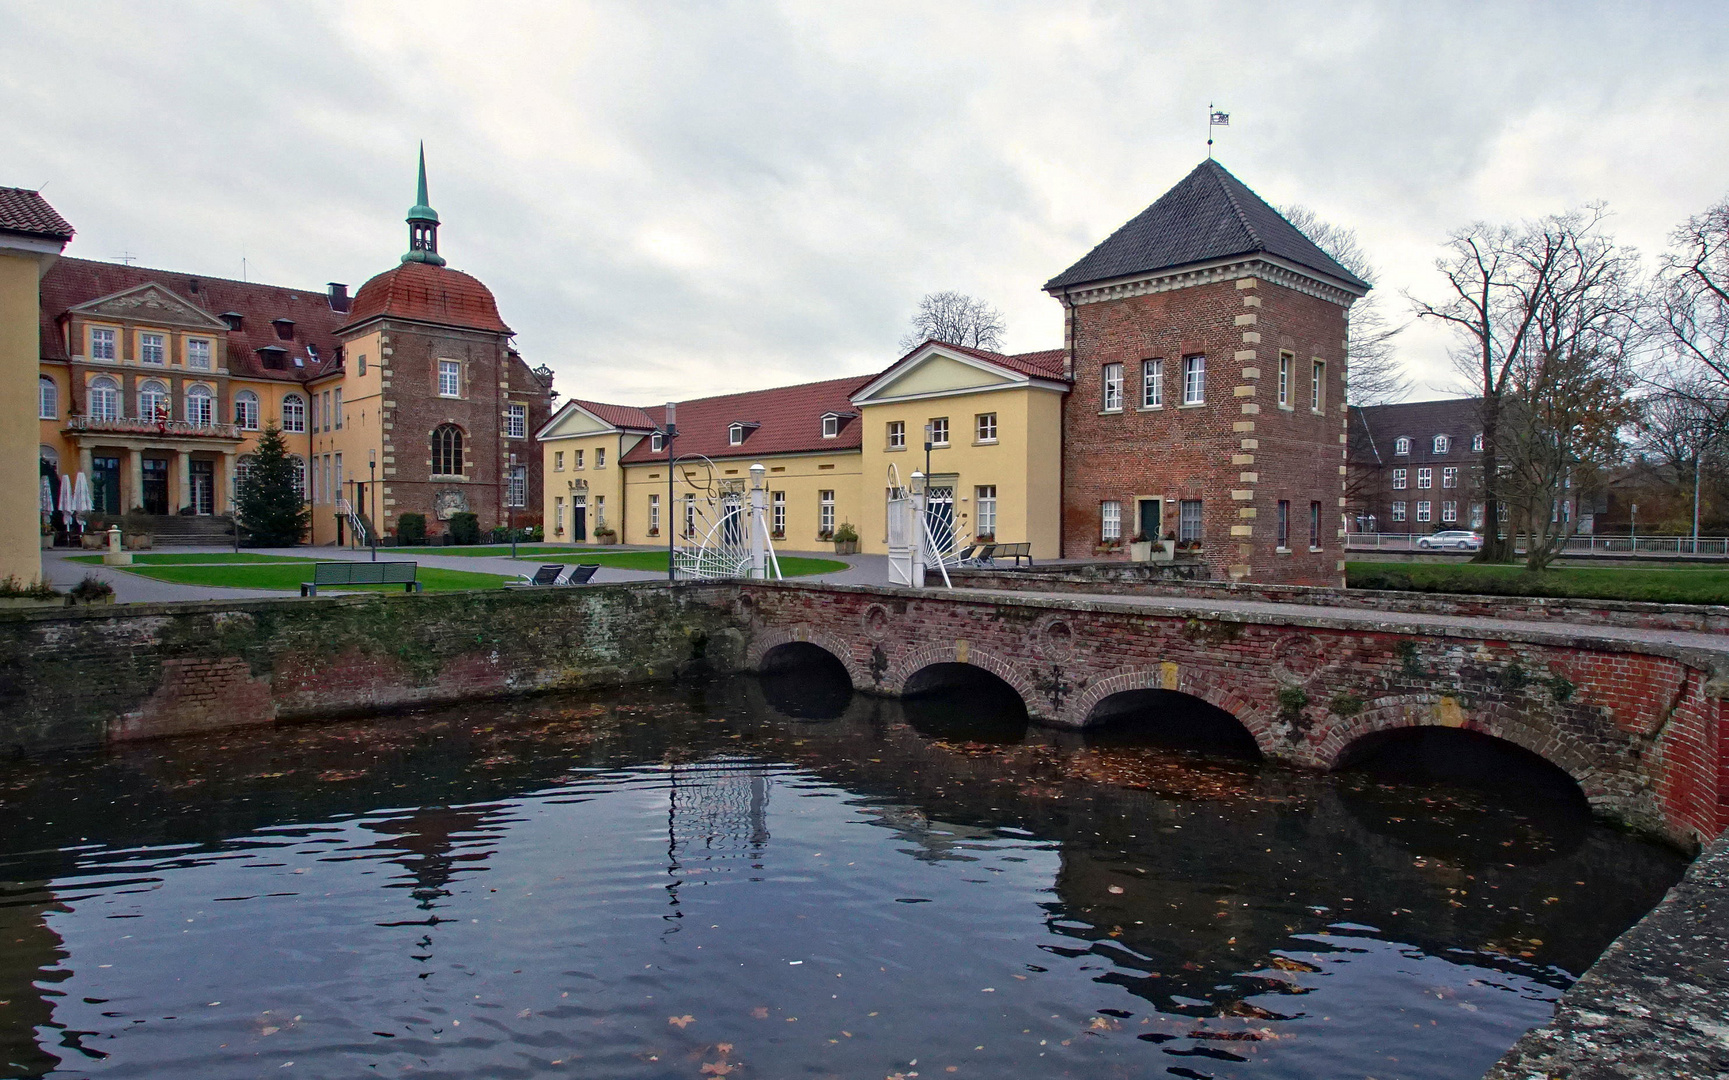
1636	725
1239	441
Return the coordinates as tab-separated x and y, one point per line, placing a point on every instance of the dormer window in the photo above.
1402	445
284	328
234	319
656	442
830	426
312	352
1442	444
735	435
274	357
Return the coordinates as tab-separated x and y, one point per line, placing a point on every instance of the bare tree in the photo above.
958	319
1530	304
1683	440
1372	372
1691	312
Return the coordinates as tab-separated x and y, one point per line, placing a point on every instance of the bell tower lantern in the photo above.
422	224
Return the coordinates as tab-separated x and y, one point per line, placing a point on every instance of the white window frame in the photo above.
518	494
600	457
1402	445
1450	476
653	513
1111	380
1110	520
985	427
656	443
1424	510
1285	361
198	353
689	515
735	435
200	409
1195	379
47	398
830	426
897	434
558	514
515	421
985	498
1449	511
1399	510
1153	383
103	344
1400	479
1283	537
825	511
336	407
777	511
558	461
151	344
450	378
939	431
106	398
1191	519
1318	386
1476	515
293	413
299	476
1425	478
1477	443
154	393
1442	444
246	410
1314	526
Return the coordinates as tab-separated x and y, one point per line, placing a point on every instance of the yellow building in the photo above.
827	449
32	236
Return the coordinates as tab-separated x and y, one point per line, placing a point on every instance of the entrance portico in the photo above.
159	467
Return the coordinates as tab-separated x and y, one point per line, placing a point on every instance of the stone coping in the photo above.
1655	1005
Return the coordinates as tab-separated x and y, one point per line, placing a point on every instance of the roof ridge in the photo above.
187	274
767	389
1219	174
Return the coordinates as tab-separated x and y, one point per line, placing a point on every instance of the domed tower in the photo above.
435	400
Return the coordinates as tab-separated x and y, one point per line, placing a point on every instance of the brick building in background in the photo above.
1206	343
1415	467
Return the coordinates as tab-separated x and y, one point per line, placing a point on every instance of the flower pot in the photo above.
1164	551
11	602
1141	551
846	547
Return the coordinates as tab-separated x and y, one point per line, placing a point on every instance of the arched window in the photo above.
243	468
104	398
47	399
153	400
246	410
299	475
447	450
200	406
293	413
1443	444
52	457
1402	445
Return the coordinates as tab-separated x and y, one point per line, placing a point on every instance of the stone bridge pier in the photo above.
1639	719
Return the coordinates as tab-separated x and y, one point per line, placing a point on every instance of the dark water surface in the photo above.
770	878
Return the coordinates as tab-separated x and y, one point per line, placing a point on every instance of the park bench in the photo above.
550	574
1016	552
977	555
336	574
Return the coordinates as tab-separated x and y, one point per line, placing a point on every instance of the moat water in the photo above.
776	878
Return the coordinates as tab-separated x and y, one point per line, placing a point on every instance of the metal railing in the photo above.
1643	546
136	426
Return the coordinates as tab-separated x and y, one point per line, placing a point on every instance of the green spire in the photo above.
422	224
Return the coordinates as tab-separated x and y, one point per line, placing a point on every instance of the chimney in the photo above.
338	296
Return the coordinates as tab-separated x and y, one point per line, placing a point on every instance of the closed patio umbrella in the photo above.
81	502
45	501
66	498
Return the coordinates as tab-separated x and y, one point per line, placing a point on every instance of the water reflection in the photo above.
626	884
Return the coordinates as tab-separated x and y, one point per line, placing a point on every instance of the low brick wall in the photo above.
1625	613
1653	1005
86	676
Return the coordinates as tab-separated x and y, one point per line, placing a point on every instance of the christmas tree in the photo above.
271	504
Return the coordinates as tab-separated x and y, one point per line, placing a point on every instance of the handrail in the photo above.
138	426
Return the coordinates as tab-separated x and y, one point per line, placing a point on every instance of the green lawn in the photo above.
790	565
288	576
497	549
1669	586
185	558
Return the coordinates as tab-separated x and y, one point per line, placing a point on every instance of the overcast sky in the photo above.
673	200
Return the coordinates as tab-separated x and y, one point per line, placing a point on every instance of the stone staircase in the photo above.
185	530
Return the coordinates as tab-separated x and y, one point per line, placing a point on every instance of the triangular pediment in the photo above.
936	371
153	304
574	420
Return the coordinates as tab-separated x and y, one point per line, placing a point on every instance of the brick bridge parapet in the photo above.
1639	719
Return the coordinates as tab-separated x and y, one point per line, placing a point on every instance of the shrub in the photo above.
11	586
606	535
411	528
464	528
846	533
90	589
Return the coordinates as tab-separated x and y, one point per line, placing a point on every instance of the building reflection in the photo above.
32	961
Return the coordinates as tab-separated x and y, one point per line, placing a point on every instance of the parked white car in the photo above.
1452	538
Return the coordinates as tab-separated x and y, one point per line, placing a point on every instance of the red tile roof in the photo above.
789	419
1045	364
25	211
427	293
71	282
622	416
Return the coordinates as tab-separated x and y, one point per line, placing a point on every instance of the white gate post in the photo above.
758	521
919	540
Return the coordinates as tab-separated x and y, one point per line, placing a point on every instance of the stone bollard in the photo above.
114	556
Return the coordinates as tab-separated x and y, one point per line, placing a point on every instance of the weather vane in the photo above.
1215	118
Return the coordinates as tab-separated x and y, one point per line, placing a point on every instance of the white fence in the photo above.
1643	546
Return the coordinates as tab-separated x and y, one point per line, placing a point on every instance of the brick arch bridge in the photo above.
1639	719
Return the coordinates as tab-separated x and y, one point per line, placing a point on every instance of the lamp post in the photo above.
669	432
372	486
510	504
930	433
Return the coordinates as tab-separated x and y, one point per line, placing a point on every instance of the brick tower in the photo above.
1206	341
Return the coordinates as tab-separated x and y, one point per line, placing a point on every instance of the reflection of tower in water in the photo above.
717	809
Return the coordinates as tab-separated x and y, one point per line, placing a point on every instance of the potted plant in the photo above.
607	535
1109	547
1140	548
16	594
985	538
846	539
1166	549
92	590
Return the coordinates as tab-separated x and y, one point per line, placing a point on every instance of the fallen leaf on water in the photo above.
1116	890
719	1068
681	1021
723	1048
760	1012
1101	1023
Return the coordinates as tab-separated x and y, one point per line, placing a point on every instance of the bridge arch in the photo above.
1346	738
925	656
768	642
1083	710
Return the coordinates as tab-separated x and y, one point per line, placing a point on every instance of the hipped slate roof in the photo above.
790	419
70	282
1375	427
27	212
1209	215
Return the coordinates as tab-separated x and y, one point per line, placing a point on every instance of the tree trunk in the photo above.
1494	549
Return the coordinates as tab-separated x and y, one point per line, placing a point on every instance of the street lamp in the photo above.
510	504
930	435
372	486
669	432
